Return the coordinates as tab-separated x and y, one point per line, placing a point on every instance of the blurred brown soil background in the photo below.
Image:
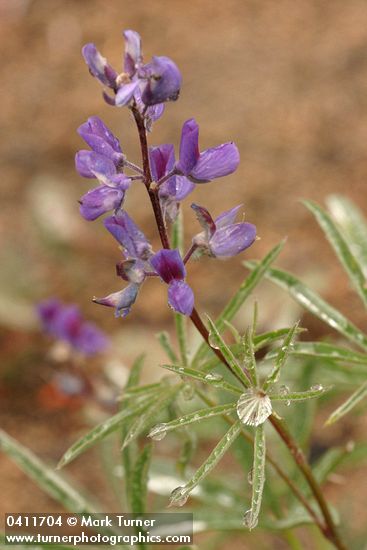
286	80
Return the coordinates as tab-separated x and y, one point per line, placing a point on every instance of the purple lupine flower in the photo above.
222	237
151	84
121	300
210	164
137	251
103	163
66	323
175	188
170	267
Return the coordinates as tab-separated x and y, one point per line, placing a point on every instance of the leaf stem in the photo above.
329	529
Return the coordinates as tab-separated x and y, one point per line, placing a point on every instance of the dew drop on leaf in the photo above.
179	496
158	432
254	407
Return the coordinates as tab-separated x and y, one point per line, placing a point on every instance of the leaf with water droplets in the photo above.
311	301
348	405
217	341
197	416
103	430
251	517
154	409
353	225
240	297
254	407
324	350
181	494
341	248
203	377
139	481
312	393
281	358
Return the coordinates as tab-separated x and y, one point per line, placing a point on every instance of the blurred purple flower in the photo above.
210	164
222	237
175	188
66	323
169	266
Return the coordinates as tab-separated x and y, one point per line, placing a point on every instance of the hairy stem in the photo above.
329	529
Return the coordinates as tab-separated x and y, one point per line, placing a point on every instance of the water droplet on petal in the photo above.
317	387
158	432
213	377
249	521
179	496
254	407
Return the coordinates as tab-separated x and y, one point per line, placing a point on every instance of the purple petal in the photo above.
228	217
95	126
127	233
89	164
205	219
189	147
216	162
121	301
132	58
98	66
232	239
100	200
169	265
126	93
163	81
162	160
131	270
181	297
179	187
155	111
48	311
119	181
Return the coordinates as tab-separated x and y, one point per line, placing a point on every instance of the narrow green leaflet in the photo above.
217	342
165	342
211	378
44	476
348	405
135	371
325	351
341	248
281	358
161	430
240	297
251	517
102	430
352	224
180	495
249	361
139	482
315	304
328	462
315	391
140	391
155	407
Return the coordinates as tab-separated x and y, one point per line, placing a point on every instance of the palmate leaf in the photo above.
217	342
45	477
251	517
180	495
281	357
353	225
311	301
341	248
240	297
103	430
160	431
213	379
348	405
